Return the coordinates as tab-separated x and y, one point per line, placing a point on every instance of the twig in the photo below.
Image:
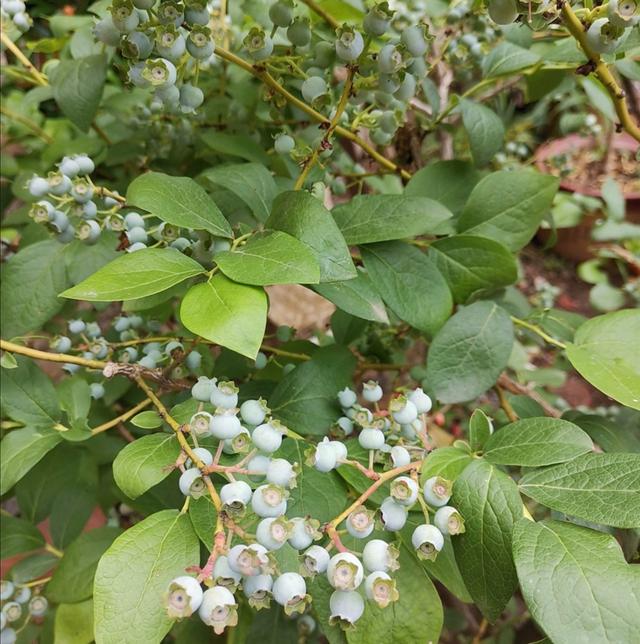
516	388
314	6
27	123
122	418
506	405
38	76
538	331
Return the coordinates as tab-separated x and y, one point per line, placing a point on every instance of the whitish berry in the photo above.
268	436
404	491
623	13
380	589
259	464
371	438
258	590
218	609
340	450
371	391
239	443
97	390
284	144
503	12
421	401
413	38
85	163
345	571
602	36
400	456
200	423
393	515
193	360
376	22
8	636
225	425
269	500
203	389
159	72
235	496
290	591
313	88
225	395
325	457
203	454
249	560
69	167
360	522
273	532
200	42
299	32
12	611
344	426
6	589
281	472
449	521
349	44
196	12
347	398
437	491
380	555
403	410
257	44
428	541
183	597
224	575
281	13
314	560
346	608
23	595
303	532
191	483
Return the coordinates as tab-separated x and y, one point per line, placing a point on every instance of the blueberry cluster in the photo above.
16	11
260	496
19	606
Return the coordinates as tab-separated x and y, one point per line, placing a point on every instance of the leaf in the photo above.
72	580
306	398
135	275
602	488
18	536
252	183
576	583
230	314
32	567
74	623
537	441
508	206
480	429
470	264
236	145
83	259
75	398
410	284
304	217
416	617
41	267
20	450
179	201
147	420
447	462
489	502
77	87
357	297
71	510
606	352
144	463
469	352
373	218
273	257
484	129
507	58
135	572
203	518
606	433
448	182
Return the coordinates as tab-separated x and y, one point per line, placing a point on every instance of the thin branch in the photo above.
538	331
38	76
325	15
122	418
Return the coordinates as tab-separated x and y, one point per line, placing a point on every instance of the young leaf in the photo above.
507	58
576	583
603	488
484	129
537	441
147	420
144	463
230	314
300	214
270	258
469	352
447	462
372	218
480	429
508	206
134	574
606	352
470	264
135	275
489	502
410	284
74	623
179	201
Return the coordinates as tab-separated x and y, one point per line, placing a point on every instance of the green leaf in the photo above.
74	623
372	218
480	429
537	441
135	572
20	450
606	352
507	58
252	183
77	87
179	201
236	145
470	264
8	361
83	259
41	267
603	488
144	463
306	398
489	502
71	510
448	182
203	518
273	257
73	578
32	567
416	617
230	314
609	435
75	398
135	275
410	284
447	462
18	536
484	129
469	352
300	214
508	206
357	297
576	583
147	420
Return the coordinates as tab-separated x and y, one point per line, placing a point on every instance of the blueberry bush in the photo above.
177	465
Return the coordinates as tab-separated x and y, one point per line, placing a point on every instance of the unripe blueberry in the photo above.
97	390
225	425
390	60
421	401
299	33
12	7
290	591
8	636
269	500
325	458
376	22
61	344
200	424
170	43
428	541
12	611
325	53
284	144
371	391
281	472
59	184
191	483
268	436
602	36
257	44
380	555
360	522
205	456
361	415
134	220
273	532
200	42
371	438
449	521
170	12
249	561
259	464
345	571
281	13
343	427
254	412
623	13
6	589
313	88
380	589
347	398
437	491
191	98
346	608
404	491
183	597
303	532
193	360
403	410
235	496
137	45
203	389
258	590
349	44
106	32
124	16
413	38
224	575
137	235
69	167
38	186
388	83
218	609
159	72
196	12
400	456
393	515
314	560
85	163
503	12
225	395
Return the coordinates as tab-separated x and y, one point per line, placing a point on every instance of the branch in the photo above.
538	331
122	418
38	76
314	6
518	389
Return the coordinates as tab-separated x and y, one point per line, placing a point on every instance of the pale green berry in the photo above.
218	609
449	521
380	589
183	597
345	571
